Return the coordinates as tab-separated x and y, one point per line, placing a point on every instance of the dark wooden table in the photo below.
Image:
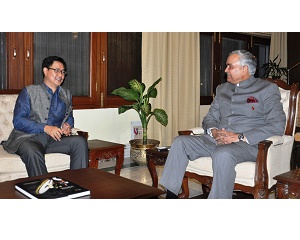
155	158
99	149
103	185
288	184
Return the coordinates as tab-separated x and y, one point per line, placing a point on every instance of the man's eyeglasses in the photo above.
57	70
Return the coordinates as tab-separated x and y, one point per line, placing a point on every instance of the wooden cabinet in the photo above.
19	61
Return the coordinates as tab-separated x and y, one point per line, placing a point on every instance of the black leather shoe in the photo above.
171	195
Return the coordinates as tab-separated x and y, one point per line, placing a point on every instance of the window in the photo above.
97	63
74	48
122	63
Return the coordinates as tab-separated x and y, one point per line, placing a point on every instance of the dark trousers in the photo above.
32	152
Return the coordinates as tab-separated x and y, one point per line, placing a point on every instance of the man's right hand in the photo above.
224	137
54	132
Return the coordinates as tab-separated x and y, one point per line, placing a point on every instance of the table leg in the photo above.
93	162
96	155
153	173
282	190
119	161
279	190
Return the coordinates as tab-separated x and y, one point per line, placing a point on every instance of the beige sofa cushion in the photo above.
7	105
12	167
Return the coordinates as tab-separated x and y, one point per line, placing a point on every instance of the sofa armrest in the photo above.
276	140
185	132
273	158
77	131
197	130
192	131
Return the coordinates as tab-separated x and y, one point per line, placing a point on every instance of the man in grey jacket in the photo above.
245	111
43	119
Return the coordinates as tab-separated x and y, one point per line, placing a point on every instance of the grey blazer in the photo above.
251	107
39	110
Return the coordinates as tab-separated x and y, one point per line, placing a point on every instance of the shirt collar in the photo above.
50	90
247	82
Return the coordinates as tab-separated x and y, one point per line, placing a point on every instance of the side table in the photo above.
288	184
155	158
99	149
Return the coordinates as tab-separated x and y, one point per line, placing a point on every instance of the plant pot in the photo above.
138	150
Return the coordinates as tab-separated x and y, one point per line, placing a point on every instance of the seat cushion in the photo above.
244	171
12	167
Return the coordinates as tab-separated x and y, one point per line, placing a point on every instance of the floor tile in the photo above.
141	174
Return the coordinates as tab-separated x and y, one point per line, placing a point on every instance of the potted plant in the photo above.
273	70
141	104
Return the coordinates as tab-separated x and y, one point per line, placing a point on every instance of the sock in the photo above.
171	195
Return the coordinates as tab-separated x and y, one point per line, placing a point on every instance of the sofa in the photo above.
11	165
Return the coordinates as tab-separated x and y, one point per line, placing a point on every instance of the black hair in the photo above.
48	61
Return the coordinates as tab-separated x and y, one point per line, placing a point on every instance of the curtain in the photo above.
175	57
278	46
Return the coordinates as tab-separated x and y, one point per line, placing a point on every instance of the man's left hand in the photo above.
66	129
225	137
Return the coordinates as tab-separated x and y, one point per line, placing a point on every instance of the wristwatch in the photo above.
208	132
241	137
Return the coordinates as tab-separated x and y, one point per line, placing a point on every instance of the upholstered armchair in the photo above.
273	157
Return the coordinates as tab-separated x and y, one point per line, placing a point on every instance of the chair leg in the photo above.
205	189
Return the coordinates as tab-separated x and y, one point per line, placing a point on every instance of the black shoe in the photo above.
171	195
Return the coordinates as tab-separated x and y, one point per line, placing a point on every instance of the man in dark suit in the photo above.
245	111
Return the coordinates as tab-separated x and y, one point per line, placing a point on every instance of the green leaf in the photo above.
136	107
152	91
124	108
137	86
161	116
127	94
146	109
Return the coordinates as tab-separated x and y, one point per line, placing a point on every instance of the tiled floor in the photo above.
141	174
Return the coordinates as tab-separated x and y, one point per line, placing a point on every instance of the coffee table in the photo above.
99	149
103	185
